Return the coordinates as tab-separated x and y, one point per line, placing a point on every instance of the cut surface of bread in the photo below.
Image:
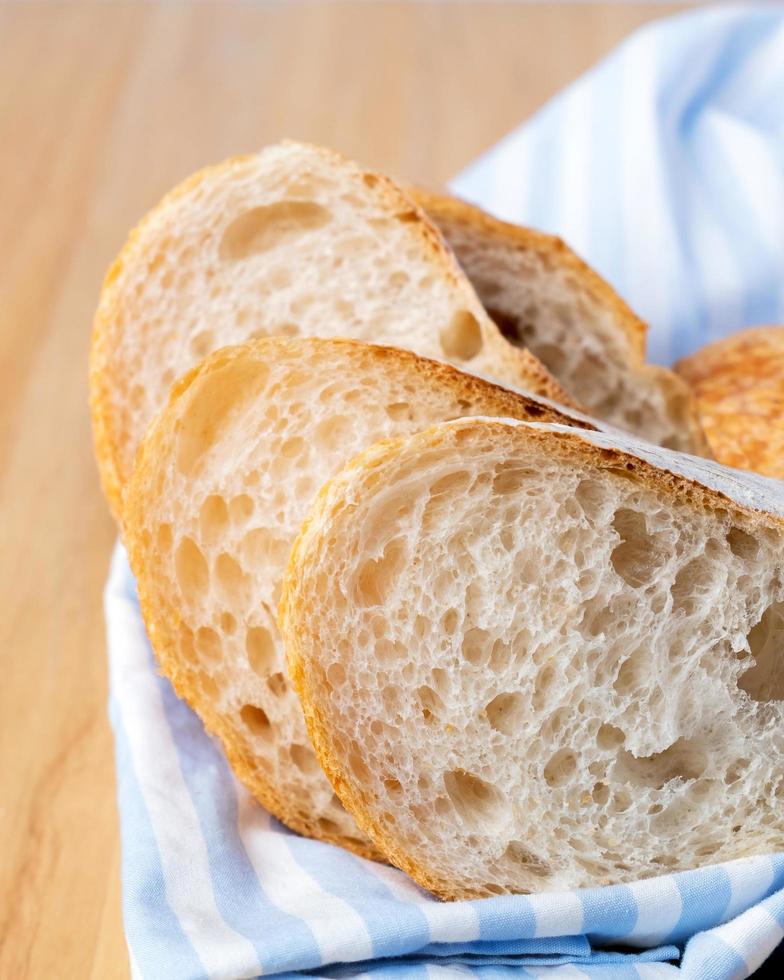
295	241
222	481
531	660
546	299
739	385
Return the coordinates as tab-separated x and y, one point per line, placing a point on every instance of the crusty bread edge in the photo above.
557	253
140	486
568	445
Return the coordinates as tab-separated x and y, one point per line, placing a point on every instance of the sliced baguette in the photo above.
534	658
546	299
222	482
296	241
739	386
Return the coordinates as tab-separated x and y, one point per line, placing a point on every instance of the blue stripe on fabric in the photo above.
395	927
609	913
705	896
506	917
154	934
281	940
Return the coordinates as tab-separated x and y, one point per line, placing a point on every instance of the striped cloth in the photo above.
685	216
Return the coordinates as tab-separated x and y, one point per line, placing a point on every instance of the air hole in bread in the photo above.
552	356
592	497
304	758
509	325
260	648
213	518
764	681
331	432
164	538
633	672
327	826
407	217
449	622
215	397
742	545
479	804
387	651
431	704
202	343
506	712
293	448
358	767
637	556
377	576
609	737
393	788
399	411
228	623
256	720
208	685
336	674
369	180
261	229
544	683
208	645
229	575
241	508
560	768
475	645
692	584
191	569
685	760
461	339
735	771
277	684
517	854
510	480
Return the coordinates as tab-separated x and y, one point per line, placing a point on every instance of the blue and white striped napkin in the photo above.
664	167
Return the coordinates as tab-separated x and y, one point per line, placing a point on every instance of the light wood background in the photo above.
102	108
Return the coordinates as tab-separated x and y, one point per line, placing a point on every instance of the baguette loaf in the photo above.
222	481
739	386
296	241
546	299
537	658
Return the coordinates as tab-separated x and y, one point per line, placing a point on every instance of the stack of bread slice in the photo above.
438	609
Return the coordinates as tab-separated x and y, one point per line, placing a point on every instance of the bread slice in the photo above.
296	241
547	300
533	658
222	482
739	386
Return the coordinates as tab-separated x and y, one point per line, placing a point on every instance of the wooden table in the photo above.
102	109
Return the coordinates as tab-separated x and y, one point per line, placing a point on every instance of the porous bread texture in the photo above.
739	385
222	482
529	660
295	241
546	299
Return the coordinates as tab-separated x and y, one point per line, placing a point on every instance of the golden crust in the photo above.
115	445
160	614
739	384
328	502
555	253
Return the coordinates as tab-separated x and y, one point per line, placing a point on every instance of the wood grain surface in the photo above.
102	108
